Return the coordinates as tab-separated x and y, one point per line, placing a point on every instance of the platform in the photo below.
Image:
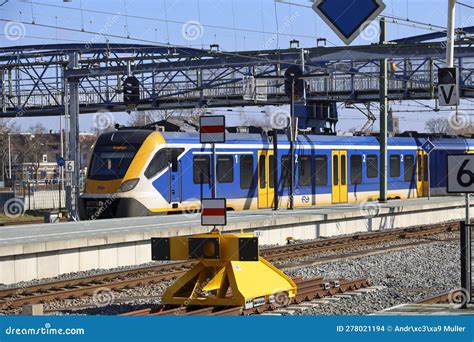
38	251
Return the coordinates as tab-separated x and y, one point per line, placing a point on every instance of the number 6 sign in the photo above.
460	173
70	166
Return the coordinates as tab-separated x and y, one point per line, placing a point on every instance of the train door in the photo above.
266	186
339	177
422	174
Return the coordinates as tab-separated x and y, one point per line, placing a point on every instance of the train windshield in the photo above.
110	162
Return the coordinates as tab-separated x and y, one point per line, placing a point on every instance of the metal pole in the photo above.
466	261
429	175
214	172
292	144
383	117
275	170
450	34
468	207
60	173
9	157
302	68
74	148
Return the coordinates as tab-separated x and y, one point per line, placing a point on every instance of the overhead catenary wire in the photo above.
124	37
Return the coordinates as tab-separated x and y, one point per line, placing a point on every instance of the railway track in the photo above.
456	296
307	290
11	298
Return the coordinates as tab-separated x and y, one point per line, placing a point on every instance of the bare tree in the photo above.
438	125
36	146
142	118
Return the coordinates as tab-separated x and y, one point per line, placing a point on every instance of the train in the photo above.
141	172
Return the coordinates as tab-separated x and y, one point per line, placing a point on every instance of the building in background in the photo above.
34	156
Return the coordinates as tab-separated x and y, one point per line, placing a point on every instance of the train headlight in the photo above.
128	185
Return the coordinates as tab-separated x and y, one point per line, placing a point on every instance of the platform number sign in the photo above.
70	166
460	174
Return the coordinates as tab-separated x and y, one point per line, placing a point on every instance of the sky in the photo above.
233	24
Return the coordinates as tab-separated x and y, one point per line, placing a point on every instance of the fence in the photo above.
40	195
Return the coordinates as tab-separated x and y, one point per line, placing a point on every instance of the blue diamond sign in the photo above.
428	146
60	161
348	18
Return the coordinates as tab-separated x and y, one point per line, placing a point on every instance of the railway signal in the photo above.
213	212
131	92
294	84
212	129
448	87
294	89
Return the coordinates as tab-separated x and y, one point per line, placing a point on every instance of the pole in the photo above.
9	157
383	117
60	173
74	148
450	34
292	144
429	175
275	169
214	172
468	207
466	261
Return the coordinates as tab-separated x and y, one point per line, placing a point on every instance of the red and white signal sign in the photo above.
212	129
213	212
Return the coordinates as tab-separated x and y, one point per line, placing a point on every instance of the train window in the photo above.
174	154
343	170
271	165
409	162
356	169
262	171
372	166
420	168
225	169
109	164
201	169
246	171
321	169
304	171
335	168
285	171
395	165
161	160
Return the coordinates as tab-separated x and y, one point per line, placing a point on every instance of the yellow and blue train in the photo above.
139	172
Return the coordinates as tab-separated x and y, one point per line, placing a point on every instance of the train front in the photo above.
113	187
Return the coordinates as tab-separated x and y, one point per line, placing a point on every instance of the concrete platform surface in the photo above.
427	310
25	234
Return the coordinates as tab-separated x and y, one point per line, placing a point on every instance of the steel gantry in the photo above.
34	78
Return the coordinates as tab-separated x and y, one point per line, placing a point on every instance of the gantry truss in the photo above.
34	78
